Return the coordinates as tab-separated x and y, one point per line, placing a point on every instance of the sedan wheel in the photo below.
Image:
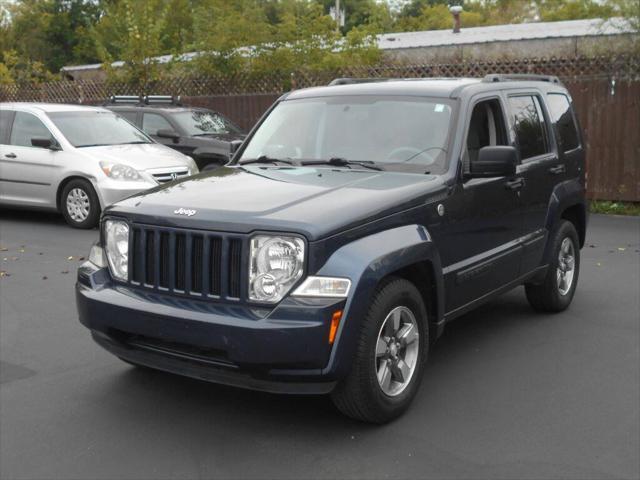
78	205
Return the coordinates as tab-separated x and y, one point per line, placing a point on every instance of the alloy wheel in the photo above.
566	266
78	205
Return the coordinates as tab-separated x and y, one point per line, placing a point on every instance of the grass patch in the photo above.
615	208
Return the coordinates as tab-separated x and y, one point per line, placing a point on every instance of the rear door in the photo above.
26	171
539	166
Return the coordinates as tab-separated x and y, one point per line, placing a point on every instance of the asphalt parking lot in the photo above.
507	393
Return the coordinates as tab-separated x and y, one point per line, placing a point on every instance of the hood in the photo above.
315	202
141	156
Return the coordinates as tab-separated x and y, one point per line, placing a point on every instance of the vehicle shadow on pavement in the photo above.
197	403
29	216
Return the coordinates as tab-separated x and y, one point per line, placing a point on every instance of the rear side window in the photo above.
5	122
25	127
529	126
562	117
152	122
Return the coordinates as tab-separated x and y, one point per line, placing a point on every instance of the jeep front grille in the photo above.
188	262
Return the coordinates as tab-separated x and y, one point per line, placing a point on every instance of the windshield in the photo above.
204	123
96	128
390	131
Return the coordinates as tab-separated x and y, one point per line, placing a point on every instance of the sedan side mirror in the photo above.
234	146
495	161
44	142
168	133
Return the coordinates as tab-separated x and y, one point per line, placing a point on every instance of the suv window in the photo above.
129	116
562	117
152	122
25	127
529	126
486	128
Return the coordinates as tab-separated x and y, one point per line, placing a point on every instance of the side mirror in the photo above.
234	146
495	161
167	133
44	142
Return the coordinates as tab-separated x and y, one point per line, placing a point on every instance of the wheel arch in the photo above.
406	252
66	181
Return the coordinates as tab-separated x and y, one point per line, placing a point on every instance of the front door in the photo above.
26	171
483	226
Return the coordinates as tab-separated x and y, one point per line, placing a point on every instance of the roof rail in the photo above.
161	99
523	77
351	81
128	99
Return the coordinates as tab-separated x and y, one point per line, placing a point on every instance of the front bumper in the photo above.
282	349
110	191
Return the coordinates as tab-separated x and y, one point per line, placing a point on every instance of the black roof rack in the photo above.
523	77
143	100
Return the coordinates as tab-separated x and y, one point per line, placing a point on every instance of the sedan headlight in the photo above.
116	235
118	171
277	263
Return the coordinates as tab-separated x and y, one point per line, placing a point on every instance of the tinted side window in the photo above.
486	128
152	122
528	120
25	127
5	123
562	117
129	116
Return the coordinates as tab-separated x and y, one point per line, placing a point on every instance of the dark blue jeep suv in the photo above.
353	222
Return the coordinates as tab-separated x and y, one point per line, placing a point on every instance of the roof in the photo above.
436	38
504	33
432	87
49	107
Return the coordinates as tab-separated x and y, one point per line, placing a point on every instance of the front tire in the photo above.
556	292
80	205
391	352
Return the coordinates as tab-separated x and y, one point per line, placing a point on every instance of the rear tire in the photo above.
79	204
390	355
556	292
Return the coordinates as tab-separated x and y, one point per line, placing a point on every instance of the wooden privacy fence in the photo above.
605	90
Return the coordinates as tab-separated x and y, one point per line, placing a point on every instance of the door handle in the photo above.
11	155
557	170
515	184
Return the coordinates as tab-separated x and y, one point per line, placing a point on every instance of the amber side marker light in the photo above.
335	321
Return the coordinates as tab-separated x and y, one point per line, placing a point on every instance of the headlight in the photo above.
116	234
118	171
277	263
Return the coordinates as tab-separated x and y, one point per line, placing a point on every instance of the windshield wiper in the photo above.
343	162
265	159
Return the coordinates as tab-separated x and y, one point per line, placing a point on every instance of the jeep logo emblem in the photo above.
185	211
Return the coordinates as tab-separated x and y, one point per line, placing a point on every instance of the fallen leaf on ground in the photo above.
598	264
4	274
70	258
621	249
45	277
3	249
21	250
64	272
81	259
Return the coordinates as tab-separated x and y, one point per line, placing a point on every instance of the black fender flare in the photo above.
570	193
366	262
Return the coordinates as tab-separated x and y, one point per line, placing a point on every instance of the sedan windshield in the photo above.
197	122
96	128
407	133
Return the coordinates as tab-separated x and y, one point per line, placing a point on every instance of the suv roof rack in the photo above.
523	77
128	99
143	100
161	100
351	81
